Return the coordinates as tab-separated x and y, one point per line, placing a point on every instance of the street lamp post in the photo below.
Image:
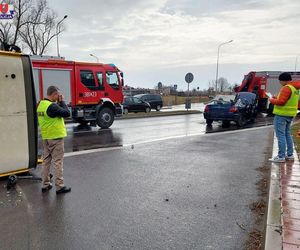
97	58
218	61
57	46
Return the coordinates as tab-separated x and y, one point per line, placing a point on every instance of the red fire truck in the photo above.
261	83
93	91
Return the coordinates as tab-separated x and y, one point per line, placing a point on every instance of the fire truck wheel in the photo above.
105	118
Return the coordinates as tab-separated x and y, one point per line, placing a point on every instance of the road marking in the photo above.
90	151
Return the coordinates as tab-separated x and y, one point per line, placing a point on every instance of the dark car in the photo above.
155	101
240	110
134	104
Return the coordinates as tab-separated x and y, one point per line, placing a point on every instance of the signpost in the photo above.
189	77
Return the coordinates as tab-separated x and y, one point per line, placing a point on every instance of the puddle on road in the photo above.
10	198
218	127
82	138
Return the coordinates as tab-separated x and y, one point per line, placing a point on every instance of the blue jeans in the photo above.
282	126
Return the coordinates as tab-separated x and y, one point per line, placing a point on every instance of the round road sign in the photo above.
189	77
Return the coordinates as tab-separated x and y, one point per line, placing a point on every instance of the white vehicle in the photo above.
18	122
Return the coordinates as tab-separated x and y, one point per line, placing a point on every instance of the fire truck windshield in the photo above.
112	79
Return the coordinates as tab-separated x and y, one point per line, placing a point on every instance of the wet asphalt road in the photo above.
132	131
180	193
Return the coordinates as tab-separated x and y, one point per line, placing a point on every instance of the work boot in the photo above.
63	190
47	188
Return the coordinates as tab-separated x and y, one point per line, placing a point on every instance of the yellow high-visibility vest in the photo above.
51	128
291	106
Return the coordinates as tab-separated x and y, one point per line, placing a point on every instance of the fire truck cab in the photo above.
93	91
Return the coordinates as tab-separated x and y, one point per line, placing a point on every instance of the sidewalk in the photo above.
283	225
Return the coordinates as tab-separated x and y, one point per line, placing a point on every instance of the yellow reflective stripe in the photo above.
8	53
15	172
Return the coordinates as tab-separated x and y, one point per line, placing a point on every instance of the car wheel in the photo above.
125	111
241	121
105	118
158	108
209	121
147	110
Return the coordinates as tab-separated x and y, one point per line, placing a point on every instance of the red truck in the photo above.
93	91
261	83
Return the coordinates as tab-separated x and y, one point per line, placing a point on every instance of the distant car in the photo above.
240	110
155	101
134	104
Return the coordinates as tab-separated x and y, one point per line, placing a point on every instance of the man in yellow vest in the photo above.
285	109
51	112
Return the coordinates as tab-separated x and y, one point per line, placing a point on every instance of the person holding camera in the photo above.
51	113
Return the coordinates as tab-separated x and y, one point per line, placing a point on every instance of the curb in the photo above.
161	114
273	238
282	230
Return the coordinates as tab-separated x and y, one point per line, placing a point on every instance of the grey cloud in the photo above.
151	38
204	7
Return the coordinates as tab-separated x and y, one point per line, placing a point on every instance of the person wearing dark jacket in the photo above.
51	113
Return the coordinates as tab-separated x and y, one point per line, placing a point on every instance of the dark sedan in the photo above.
134	104
155	101
240	110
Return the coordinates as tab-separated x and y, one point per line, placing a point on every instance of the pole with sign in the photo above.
189	77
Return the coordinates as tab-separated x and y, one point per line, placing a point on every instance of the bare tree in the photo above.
33	27
40	28
9	31
6	34
223	84
211	84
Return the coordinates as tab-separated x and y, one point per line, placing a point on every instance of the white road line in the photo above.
90	151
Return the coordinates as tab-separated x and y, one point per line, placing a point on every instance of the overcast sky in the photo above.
162	40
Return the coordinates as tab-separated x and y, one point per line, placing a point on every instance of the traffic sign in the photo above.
189	77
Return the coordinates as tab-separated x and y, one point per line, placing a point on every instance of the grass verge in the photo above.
295	129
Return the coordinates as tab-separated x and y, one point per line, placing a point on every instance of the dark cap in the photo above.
285	77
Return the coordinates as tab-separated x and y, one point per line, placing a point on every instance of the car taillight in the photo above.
233	109
206	109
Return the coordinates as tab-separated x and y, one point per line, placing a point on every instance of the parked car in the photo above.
155	101
240	110
134	104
